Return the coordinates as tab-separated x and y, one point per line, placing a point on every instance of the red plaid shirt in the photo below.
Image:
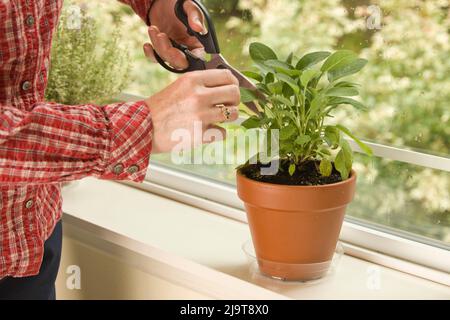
43	144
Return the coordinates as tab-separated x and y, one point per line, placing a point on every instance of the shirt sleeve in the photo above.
141	7
58	143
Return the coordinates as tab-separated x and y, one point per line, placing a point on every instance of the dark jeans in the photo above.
41	286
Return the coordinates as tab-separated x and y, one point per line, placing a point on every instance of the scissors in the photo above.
211	45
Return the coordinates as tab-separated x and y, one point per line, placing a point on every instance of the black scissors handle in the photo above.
208	40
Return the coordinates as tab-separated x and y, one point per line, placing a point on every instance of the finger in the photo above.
149	53
165	50
195	17
228	95
172	55
222	114
216	77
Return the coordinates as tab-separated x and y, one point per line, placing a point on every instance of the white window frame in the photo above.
383	245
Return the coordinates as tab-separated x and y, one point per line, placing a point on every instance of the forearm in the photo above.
56	143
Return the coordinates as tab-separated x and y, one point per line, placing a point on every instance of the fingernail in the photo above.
197	20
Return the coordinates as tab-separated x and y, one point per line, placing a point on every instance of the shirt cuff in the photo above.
131	133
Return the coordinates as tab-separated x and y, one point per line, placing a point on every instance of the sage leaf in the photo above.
337	58
362	145
276	64
340	165
275	88
342	91
251	123
264	68
292	169
341	100
287	132
290	58
326	167
311	59
253	75
302	140
307	76
247	95
332	136
316	105
261	52
288	80
283	100
346	70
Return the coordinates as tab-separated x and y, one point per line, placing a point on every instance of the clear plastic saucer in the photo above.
318	271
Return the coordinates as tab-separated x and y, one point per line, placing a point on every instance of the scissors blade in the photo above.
218	62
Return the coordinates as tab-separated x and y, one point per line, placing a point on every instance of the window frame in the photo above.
400	250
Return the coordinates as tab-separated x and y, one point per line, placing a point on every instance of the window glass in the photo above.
406	85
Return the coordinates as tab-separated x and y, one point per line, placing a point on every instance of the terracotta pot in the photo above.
295	229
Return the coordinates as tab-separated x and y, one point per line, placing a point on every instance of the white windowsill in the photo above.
202	250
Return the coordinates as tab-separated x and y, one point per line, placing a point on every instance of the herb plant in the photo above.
86	68
300	95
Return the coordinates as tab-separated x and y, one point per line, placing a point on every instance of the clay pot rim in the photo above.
276	185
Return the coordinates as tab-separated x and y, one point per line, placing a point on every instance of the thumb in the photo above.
195	17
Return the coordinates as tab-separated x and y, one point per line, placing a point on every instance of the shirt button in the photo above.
118	169
133	169
29	204
26	85
30	21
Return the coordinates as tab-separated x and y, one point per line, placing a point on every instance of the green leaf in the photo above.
342	91
283	100
261	52
362	145
302	140
340	100
290	58
278	65
252	122
346	69
263	87
247	95
292	169
269	78
325	167
311	59
336	58
341	165
317	103
307	76
264	69
345	146
332	136
288	92
253	75
288	80
275	88
325	151
287	132
346	84
282	67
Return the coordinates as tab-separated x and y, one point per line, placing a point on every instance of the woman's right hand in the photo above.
202	97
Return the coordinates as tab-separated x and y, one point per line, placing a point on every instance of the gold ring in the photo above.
226	113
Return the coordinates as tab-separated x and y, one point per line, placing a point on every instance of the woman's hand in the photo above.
166	26
193	99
